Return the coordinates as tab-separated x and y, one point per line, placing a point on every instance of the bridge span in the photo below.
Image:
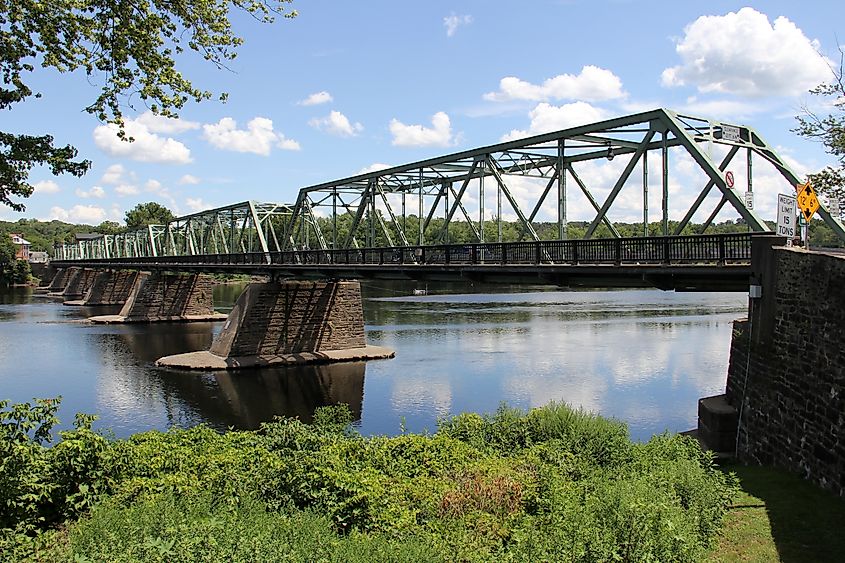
681	263
499	213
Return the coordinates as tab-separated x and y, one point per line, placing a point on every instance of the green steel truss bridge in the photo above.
423	220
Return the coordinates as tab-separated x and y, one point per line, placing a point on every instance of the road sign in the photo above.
730	133
807	200
786	216
749	200
729	179
833	206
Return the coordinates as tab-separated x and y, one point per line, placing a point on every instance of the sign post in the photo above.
786	218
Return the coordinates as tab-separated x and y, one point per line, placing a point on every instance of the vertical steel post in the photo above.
372	214
481	199
446	209
562	223
404	214
645	194
665	153
748	174
498	209
334	218
420	207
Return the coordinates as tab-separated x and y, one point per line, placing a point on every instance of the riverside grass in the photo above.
550	484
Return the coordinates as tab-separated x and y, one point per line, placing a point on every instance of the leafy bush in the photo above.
603	441
548	484
171	527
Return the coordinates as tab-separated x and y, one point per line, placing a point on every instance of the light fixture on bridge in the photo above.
610	154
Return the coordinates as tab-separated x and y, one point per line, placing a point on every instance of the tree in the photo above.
7	249
109	228
830	131
130	47
151	213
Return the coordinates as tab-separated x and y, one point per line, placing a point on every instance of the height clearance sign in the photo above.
807	200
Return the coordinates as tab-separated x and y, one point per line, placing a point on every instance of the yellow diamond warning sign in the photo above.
808	203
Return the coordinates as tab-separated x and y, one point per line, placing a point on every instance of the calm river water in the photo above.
644	357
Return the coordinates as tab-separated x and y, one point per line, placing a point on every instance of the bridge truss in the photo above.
474	191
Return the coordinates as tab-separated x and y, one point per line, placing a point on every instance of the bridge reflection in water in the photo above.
220	399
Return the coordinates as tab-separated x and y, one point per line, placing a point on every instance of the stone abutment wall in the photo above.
786	376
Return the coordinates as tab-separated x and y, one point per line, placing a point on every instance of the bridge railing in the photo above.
698	249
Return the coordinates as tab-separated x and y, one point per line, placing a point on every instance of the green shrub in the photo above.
171	527
553	483
603	441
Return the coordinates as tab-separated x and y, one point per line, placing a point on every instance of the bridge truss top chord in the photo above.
424	202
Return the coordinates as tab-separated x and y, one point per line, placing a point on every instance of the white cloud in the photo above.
126	189
123	180
546	117
258	138
742	53
317	98
374	167
189	180
113	175
167	125
452	22
46	187
438	135
79	214
95	191
593	84
722	109
146	147
336	124
197	204
162	193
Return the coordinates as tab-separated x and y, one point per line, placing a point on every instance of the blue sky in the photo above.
350	86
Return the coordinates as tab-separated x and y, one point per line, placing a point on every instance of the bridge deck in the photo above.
702	263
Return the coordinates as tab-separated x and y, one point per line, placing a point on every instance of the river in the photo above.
642	356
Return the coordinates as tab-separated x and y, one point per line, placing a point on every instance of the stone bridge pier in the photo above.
108	287
289	322
785	394
156	297
71	283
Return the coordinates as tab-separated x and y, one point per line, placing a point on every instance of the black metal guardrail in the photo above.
691	249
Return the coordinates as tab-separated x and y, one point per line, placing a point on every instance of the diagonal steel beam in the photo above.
457	203
709	167
591	199
502	186
619	183
393	220
705	192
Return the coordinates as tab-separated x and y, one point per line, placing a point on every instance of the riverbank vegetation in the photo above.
549	484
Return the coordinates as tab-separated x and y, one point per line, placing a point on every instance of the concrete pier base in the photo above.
79	283
166	297
717	424
59	282
110	287
288	323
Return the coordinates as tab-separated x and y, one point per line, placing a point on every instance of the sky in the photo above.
347	87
